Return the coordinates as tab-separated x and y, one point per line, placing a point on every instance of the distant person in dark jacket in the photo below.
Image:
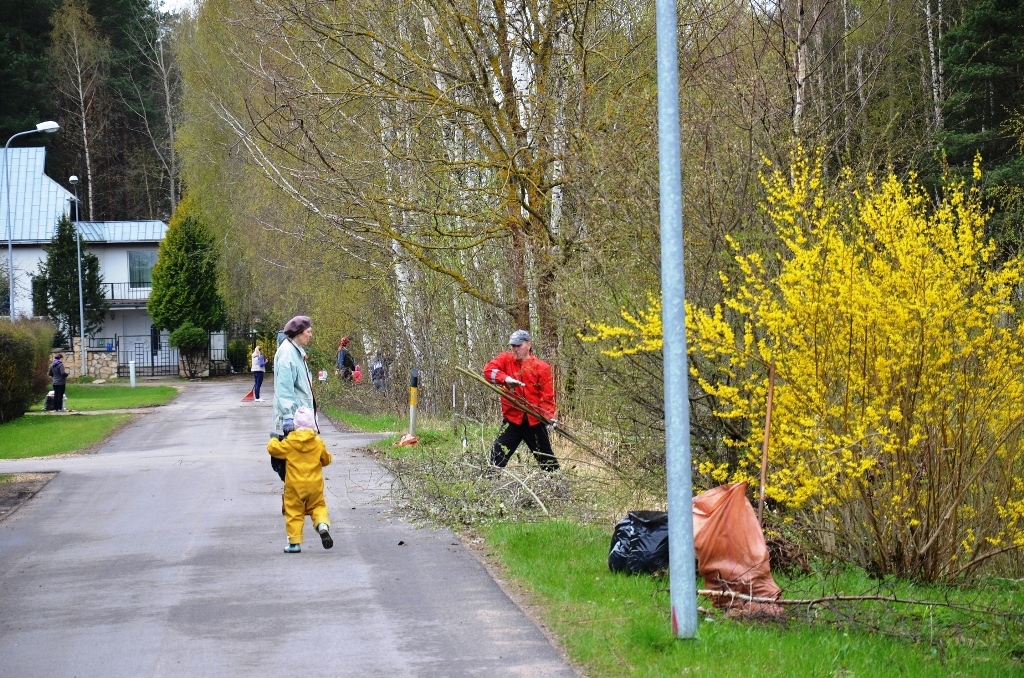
60	380
377	372
346	364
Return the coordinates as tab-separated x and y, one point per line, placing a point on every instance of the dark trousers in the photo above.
535	437
259	382
58	396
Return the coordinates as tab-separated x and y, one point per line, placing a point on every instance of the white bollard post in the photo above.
131	372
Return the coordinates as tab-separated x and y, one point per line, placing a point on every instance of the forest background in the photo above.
425	176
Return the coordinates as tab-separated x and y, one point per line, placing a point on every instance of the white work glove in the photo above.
513	382
552	424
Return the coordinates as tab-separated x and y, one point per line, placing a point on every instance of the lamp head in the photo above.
49	127
73	180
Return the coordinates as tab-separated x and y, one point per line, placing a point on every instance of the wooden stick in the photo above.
764	447
733	595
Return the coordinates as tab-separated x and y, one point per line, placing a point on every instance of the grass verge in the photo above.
380	422
618	625
540	529
44	436
90	398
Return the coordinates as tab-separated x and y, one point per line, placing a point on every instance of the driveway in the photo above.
161	555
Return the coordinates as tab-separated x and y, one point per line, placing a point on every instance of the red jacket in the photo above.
539	390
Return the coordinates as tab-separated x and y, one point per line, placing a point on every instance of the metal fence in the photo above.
155	358
123	291
152	356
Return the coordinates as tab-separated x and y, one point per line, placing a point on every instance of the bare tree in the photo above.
154	100
80	57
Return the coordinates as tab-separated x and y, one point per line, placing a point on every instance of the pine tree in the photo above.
185	276
984	65
57	283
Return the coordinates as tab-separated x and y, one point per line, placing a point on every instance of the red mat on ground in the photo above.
250	396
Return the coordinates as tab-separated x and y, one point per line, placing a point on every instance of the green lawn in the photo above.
90	398
373	423
53	434
618	625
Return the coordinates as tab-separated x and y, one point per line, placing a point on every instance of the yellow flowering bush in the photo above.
899	398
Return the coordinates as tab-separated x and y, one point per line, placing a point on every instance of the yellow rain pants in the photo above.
306	455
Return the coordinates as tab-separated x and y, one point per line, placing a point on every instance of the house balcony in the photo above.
127	295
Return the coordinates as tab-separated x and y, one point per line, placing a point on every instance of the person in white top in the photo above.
259	368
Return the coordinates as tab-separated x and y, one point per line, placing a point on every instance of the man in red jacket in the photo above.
529	377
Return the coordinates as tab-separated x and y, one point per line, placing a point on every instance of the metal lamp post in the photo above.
73	180
49	127
682	573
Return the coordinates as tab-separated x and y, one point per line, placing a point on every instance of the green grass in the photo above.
618	625
90	398
381	422
55	434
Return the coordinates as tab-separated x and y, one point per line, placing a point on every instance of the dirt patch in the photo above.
18	488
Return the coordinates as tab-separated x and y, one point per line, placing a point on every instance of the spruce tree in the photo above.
56	285
185	276
984	63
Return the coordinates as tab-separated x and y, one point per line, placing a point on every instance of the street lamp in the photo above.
49	127
73	180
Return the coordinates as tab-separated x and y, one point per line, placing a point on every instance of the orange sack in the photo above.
731	552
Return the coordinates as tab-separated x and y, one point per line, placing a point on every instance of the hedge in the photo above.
24	364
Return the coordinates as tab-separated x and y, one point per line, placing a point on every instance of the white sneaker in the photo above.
258	400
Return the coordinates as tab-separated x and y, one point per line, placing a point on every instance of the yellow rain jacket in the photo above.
306	455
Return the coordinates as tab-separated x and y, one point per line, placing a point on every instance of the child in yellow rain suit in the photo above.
306	455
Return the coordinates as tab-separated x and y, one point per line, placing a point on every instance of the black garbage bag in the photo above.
640	543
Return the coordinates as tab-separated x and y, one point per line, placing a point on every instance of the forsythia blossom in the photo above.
899	396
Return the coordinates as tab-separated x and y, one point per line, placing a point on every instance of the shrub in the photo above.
897	423
240	354
192	343
24	362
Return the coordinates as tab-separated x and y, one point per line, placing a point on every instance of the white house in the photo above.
126	250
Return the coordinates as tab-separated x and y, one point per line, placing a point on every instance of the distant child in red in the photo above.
357	375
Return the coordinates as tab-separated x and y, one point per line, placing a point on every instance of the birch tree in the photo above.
80	55
348	113
154	100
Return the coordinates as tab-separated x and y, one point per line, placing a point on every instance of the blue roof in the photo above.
122	231
37	202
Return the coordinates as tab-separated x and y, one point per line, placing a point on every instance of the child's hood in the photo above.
303	439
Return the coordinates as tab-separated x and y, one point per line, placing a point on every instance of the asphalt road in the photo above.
161	555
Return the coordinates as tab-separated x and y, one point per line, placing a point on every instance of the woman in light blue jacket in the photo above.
293	382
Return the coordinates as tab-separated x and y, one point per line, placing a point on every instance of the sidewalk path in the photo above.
161	555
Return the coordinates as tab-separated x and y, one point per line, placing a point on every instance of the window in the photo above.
140	269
